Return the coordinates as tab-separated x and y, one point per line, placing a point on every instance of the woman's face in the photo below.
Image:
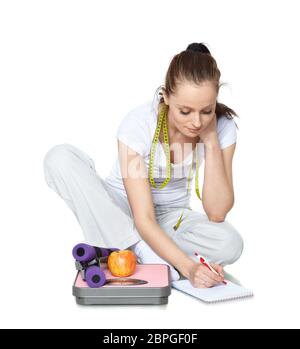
192	108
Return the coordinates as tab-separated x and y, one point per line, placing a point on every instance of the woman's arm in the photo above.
218	194
139	195
135	179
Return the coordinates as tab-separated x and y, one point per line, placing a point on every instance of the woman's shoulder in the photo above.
226	129
225	121
136	128
143	113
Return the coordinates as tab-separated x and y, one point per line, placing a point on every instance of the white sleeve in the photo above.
133	131
226	129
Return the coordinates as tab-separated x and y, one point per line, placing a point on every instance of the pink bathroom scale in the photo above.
150	284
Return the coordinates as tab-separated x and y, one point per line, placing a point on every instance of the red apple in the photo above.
121	263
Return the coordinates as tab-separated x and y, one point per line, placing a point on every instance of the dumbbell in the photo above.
88	260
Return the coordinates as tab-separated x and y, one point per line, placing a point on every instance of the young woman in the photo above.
144	203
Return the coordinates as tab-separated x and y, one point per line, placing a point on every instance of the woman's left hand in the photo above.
210	132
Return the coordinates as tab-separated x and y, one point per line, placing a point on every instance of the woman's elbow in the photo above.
143	221
217	219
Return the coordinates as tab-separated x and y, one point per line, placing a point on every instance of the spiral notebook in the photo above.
216	293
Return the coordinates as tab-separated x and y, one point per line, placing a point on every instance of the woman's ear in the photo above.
166	99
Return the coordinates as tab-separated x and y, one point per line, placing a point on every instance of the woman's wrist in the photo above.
212	142
185	267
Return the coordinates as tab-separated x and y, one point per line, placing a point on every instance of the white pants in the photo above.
106	218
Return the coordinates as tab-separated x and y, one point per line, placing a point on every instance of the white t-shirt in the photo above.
137	129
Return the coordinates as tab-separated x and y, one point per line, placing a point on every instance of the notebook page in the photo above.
216	293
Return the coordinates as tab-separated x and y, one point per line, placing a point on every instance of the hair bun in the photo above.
197	47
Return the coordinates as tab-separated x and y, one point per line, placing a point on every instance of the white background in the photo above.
70	71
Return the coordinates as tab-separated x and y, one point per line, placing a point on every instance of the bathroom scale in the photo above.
149	284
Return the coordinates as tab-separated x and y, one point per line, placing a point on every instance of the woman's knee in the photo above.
58	156
231	245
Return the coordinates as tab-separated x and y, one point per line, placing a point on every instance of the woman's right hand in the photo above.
200	276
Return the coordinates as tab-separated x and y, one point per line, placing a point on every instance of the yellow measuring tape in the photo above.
163	121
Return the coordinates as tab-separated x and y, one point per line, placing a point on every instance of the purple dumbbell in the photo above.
88	262
95	277
85	253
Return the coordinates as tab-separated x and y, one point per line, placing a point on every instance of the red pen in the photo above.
204	262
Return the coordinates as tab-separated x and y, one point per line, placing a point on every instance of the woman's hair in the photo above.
196	65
